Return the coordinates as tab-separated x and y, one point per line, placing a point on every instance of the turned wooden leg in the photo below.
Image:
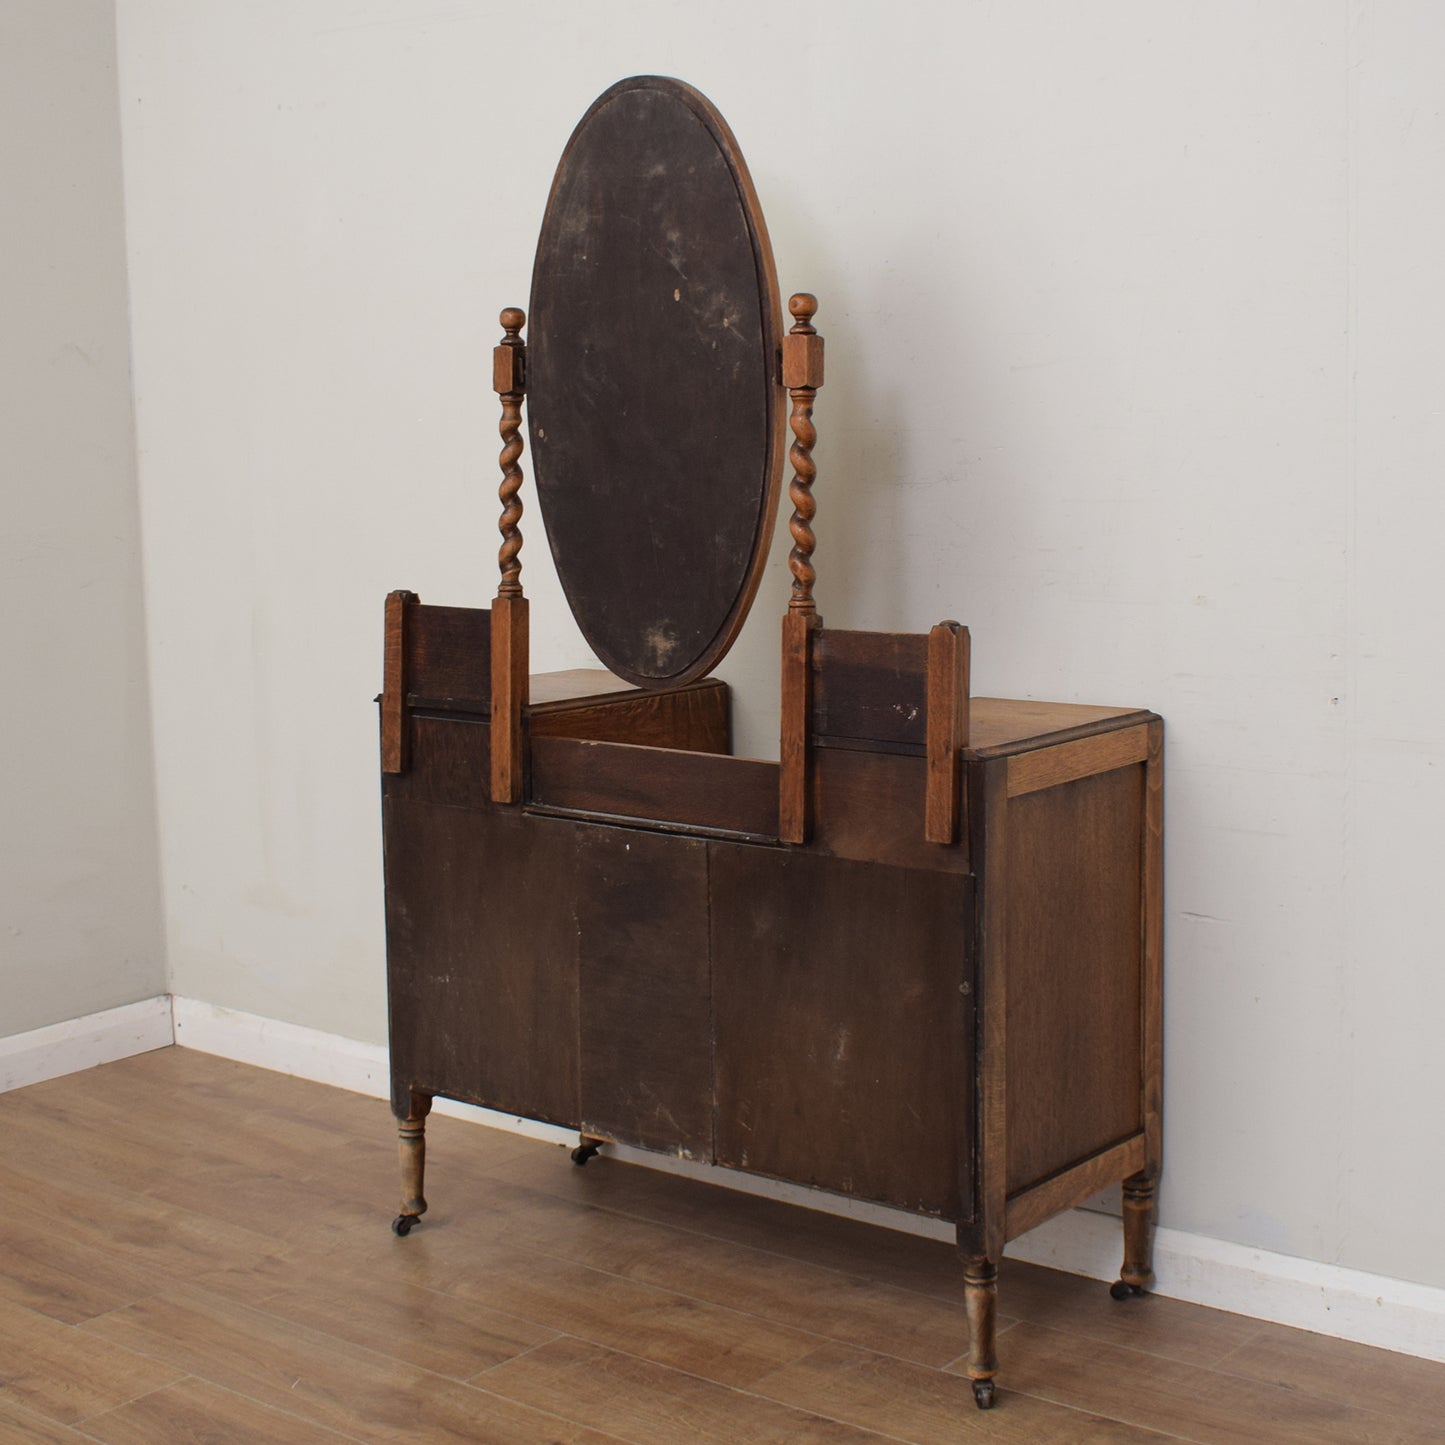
1138	1271
980	1298
411	1145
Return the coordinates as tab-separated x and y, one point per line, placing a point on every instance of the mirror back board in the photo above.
653	399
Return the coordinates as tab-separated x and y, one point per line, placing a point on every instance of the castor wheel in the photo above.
582	1153
983	1393
1120	1290
401	1226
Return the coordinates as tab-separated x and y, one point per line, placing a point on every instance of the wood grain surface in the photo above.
543	1303
653	394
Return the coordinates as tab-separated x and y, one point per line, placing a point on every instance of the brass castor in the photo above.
401	1226
582	1153
983	1393
1120	1290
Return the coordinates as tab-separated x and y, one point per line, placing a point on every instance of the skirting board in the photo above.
100	1038
1329	1299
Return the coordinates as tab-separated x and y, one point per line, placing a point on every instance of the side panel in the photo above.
844	1024
1073	958
645	1016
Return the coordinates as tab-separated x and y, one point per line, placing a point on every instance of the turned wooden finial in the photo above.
802	375
509	367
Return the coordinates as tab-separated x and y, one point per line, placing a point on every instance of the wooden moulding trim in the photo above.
1073	1185
1066	763
988	822
1152	940
680	791
393	687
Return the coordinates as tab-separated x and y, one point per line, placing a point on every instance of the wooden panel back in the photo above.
646	1015
450	761
870	806
687	791
1072	952
483	993
871	686
449	656
843	1029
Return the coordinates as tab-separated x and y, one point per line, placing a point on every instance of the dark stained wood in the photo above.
871	686
802	375
393	689
795	811
1152	948
1073	1186
509	694
823	973
1073	961
693	718
642	934
653	392
948	659
869	806
1062	763
699	792
988	822
483	994
450	762
449	657
999	726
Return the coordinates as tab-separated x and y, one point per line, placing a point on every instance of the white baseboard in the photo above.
100	1038
1329	1299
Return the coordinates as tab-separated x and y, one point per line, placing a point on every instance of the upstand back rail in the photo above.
916	961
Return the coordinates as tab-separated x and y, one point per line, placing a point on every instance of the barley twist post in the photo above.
802	375
509	361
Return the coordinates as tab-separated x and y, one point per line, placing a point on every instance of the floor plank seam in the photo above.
745	1390
511	1359
1208	1388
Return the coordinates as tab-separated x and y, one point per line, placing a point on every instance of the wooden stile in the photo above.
394	683
947	729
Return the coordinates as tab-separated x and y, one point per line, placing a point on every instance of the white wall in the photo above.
1134	366
80	924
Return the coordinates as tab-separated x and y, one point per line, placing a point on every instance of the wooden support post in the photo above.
411	1146
393	687
980	1302
795	814
1138	1271
802	375
509	611
947	729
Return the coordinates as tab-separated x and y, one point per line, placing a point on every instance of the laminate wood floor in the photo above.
196	1250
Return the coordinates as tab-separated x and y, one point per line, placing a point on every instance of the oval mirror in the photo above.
653	399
